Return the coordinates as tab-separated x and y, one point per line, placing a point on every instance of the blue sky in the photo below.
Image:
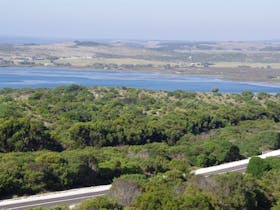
142	19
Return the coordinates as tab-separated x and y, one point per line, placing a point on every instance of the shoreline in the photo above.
226	78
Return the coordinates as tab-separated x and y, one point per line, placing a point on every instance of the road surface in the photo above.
68	197
239	166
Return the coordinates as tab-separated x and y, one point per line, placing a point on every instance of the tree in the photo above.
215	152
257	166
124	191
25	135
235	191
194	198
157	199
98	203
55	169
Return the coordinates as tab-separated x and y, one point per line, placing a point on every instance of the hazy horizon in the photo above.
251	20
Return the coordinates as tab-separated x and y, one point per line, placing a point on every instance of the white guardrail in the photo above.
224	166
59	194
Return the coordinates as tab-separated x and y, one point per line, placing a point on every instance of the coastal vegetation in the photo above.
145	142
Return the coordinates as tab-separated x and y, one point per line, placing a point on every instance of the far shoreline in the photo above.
226	78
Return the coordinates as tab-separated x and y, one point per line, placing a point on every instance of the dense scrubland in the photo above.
145	142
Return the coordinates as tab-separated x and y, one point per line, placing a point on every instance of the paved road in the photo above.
241	168
240	165
69	197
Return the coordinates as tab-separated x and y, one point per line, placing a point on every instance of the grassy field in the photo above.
246	64
116	61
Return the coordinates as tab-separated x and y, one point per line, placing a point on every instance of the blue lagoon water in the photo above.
13	77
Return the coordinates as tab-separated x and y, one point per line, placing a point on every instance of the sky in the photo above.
191	20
